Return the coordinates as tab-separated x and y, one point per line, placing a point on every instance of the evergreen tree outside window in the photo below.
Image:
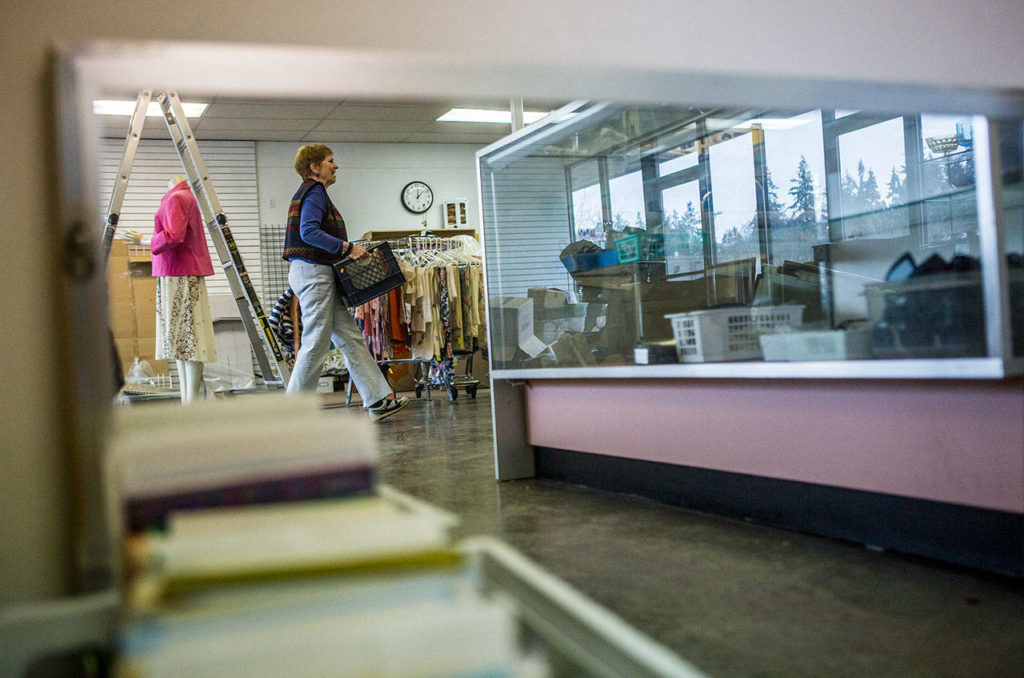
796	168
865	154
802	193
684	247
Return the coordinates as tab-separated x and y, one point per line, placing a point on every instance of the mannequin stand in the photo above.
190	376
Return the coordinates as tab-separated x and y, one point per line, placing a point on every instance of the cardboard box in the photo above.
547	297
122	319
144	293
146	348
223	307
118	264
145	322
233	349
511	321
127	351
119	282
505	356
551	323
573	350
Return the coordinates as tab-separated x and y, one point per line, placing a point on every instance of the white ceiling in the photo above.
330	121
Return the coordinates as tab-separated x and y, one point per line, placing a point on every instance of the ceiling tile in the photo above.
497	128
354	137
282	124
232	109
250	135
387	126
417	112
428	138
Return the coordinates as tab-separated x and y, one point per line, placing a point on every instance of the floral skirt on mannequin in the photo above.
184	324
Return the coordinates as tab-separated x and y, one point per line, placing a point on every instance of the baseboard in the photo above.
965	535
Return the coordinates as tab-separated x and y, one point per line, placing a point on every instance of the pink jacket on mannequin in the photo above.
179	241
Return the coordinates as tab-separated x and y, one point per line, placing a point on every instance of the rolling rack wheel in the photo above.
471	390
453	393
419	391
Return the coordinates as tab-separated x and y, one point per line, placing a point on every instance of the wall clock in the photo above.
417	197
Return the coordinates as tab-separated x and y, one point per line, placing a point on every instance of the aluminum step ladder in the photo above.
262	339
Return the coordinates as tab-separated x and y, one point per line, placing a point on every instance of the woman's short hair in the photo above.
310	154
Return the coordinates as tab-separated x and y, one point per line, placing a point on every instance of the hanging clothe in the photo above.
435	315
441	366
281	324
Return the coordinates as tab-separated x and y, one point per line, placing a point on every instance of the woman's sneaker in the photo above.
387	408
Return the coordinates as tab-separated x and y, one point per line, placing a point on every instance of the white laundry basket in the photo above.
731	333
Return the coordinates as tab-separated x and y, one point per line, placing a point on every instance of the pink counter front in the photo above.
959	442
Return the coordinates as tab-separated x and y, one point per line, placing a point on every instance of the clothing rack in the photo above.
420	243
461	250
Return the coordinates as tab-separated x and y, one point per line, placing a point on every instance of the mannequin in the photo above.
181	260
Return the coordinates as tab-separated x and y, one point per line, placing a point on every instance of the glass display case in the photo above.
665	240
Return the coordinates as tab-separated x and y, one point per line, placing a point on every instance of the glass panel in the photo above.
946	168
734	197
868	157
586	203
627	201
1011	150
796	201
684	248
677	159
703	235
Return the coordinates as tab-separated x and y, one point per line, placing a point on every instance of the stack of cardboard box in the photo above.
511	326
132	291
553	315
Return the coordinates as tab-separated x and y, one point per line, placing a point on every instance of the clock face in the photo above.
417	197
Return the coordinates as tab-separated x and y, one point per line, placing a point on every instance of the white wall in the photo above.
370	180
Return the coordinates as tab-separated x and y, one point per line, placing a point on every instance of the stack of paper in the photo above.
203	548
356	587
279	556
252	450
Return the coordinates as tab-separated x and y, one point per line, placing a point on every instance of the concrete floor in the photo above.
734	598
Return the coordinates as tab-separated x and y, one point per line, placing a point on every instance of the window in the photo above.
795	191
588	219
684	249
872	161
627	201
677	159
734	199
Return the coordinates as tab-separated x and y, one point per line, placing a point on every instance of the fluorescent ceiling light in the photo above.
483	115
116	107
